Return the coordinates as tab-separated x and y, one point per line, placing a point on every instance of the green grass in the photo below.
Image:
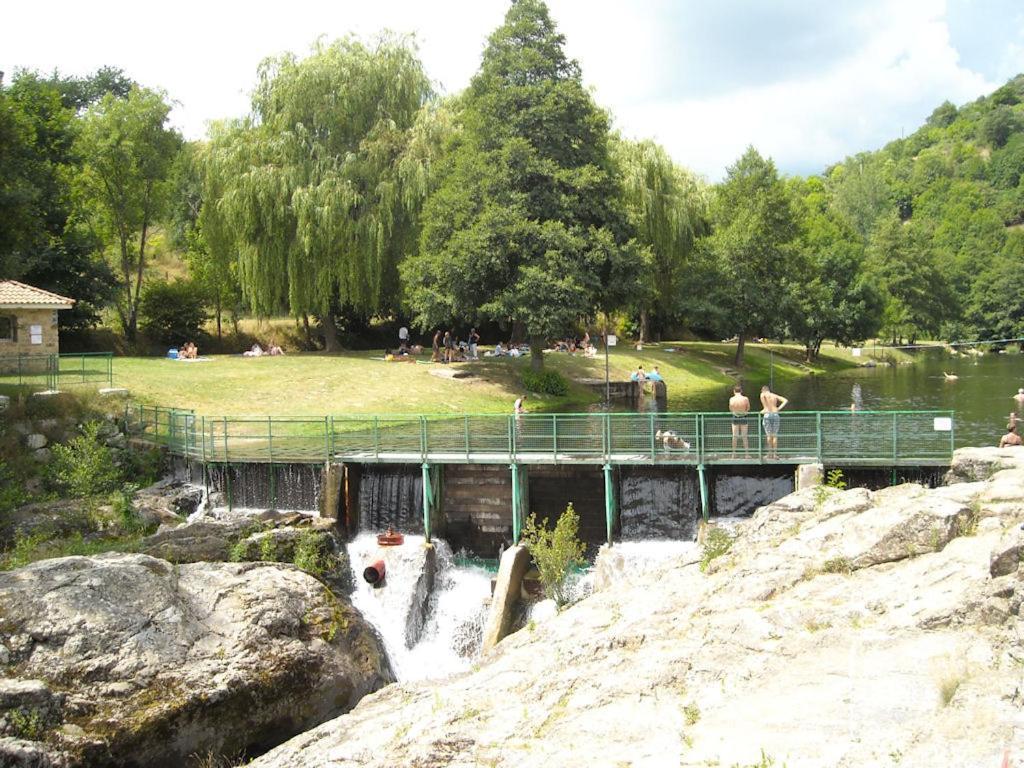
312	385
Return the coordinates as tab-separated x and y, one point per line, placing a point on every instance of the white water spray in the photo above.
427	633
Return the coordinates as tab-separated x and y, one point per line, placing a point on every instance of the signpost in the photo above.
609	341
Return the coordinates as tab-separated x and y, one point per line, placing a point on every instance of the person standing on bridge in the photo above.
739	407
771	404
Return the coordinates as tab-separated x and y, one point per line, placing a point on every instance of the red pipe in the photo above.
374	574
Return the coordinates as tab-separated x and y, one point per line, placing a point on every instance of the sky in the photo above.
806	83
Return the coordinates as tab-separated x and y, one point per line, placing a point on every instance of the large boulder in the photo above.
167	502
199	542
130	660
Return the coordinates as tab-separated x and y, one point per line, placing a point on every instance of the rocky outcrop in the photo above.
130	660
845	629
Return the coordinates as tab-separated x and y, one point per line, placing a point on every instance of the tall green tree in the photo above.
667	207
127	152
754	247
318	188
527	224
995	306
918	295
835	297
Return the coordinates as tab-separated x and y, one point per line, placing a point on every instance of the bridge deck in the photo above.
876	438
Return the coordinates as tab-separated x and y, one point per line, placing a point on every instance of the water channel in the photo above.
981	395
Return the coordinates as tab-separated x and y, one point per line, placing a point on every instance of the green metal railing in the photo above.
867	437
56	371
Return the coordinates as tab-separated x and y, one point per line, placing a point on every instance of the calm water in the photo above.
982	396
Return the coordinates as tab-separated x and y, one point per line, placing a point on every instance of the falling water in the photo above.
427	633
390	495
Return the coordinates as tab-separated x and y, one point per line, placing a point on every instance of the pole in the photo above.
607	382
428	497
771	370
609	504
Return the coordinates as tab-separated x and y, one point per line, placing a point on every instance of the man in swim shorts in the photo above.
771	404
739	407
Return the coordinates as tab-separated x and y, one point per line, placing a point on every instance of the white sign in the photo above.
612	340
855	351
35	333
943	424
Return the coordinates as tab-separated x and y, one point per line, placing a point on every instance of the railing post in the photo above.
331	449
609	503
516	521
423	438
650	429
894	437
270	439
760	440
700	438
327	441
427	499
376	437
820	458
703	491
554	437
606	436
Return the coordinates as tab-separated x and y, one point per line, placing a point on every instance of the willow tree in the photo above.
667	206
526	224
321	197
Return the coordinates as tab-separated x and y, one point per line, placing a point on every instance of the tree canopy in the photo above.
527	224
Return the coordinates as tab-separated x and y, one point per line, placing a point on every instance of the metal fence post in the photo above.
894	433
554	436
819	436
609	503
427	499
650	429
516	521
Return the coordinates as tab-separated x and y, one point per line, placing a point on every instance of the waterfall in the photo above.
658	504
429	612
390	495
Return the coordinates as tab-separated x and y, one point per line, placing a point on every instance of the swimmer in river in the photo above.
950	376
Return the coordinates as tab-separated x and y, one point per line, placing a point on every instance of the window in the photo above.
8	328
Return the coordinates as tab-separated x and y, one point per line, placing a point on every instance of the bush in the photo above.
545	383
84	466
716	544
313	554
173	313
556	551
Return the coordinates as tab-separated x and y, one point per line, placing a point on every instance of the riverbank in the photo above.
310	385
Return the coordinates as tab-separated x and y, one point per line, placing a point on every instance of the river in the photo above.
981	396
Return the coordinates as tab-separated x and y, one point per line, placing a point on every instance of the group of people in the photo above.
771	405
256	350
448	348
1011	438
572	345
642	376
188	351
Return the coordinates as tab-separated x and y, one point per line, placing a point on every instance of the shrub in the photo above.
173	313
555	551
545	383
84	466
717	542
313	555
12	493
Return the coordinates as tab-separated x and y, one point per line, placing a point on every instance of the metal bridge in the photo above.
608	440
864	438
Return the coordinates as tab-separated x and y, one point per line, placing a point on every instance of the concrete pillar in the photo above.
513	566
330	502
808	476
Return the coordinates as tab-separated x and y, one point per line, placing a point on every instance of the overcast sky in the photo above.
805	82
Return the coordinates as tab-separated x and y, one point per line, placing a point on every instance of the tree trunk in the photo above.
219	312
330	331
309	333
536	353
644	317
738	360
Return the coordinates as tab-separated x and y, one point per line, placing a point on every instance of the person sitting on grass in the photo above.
391	357
255	351
499	351
275	350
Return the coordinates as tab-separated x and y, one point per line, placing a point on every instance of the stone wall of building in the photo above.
26	318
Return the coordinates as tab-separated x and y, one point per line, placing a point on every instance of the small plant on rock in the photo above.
833	482
313	555
555	551
27	723
717	542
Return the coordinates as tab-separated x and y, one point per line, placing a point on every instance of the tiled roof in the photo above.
13	293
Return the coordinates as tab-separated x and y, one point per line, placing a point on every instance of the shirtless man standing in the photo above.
739	406
771	404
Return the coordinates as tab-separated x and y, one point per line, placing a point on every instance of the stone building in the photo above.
28	320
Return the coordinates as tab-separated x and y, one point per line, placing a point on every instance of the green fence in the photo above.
879	438
57	371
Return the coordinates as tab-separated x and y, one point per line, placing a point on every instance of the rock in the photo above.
158	662
1006	555
862	630
48	425
972	464
5	402
42	455
58	519
202	541
169	501
507	587
35	441
113	391
117	441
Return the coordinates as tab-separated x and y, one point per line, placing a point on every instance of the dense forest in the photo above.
353	194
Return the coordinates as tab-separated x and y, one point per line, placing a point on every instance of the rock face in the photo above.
129	660
847	629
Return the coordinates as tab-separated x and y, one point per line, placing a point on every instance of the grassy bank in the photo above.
312	385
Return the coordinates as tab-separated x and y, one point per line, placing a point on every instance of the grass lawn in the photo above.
312	385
